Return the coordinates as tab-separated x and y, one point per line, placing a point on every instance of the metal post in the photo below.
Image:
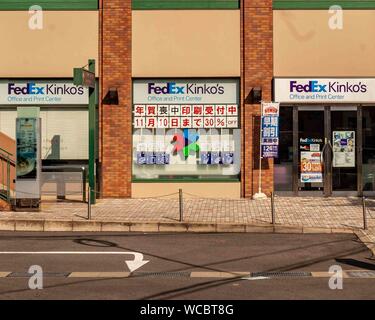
2	175
273	207
92	135
181	205
61	191
364	213
260	158
89	205
84	184
8	179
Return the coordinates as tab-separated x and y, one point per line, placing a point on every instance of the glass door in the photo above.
310	144
283	164
368	146
321	150
344	147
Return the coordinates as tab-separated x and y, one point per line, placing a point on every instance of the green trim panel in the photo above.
184	4
323	4
49	4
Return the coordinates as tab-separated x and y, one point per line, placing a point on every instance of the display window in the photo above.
186	140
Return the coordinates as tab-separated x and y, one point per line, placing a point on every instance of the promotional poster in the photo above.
26	148
311	167
343	149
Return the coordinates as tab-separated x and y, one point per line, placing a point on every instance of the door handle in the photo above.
326	145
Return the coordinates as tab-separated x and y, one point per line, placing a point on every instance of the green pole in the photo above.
92	136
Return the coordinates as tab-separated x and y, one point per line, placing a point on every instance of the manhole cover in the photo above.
361	274
281	274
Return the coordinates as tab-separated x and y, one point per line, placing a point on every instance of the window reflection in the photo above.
368	148
283	168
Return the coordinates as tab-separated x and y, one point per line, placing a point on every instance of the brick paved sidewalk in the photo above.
335	212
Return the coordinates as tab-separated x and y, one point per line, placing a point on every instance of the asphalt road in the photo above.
172	259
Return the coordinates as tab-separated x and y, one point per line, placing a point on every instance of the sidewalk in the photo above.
293	215
307	212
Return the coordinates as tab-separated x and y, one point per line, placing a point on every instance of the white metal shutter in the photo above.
71	125
8	122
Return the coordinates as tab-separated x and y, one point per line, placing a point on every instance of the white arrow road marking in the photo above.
132	264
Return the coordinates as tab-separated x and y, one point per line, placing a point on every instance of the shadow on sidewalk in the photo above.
356	263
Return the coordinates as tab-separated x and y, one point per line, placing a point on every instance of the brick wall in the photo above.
257	71
115	131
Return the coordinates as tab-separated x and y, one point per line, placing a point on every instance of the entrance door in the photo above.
310	147
344	145
325	150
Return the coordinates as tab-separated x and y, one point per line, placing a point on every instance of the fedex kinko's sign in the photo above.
41	92
175	91
315	90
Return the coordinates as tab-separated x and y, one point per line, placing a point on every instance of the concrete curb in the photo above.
121	226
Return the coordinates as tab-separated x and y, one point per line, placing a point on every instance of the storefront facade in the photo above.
323	79
180	90
326	133
43	41
182	108
203	143
63	113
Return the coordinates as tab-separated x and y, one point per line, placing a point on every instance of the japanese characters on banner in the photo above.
185	116
270	130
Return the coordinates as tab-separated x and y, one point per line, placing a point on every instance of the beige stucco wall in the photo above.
230	190
171	43
304	45
67	40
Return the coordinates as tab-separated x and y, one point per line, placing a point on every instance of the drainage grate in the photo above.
161	274
281	274
45	274
361	274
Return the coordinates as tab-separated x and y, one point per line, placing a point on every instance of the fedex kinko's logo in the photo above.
30	88
314	86
311	86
